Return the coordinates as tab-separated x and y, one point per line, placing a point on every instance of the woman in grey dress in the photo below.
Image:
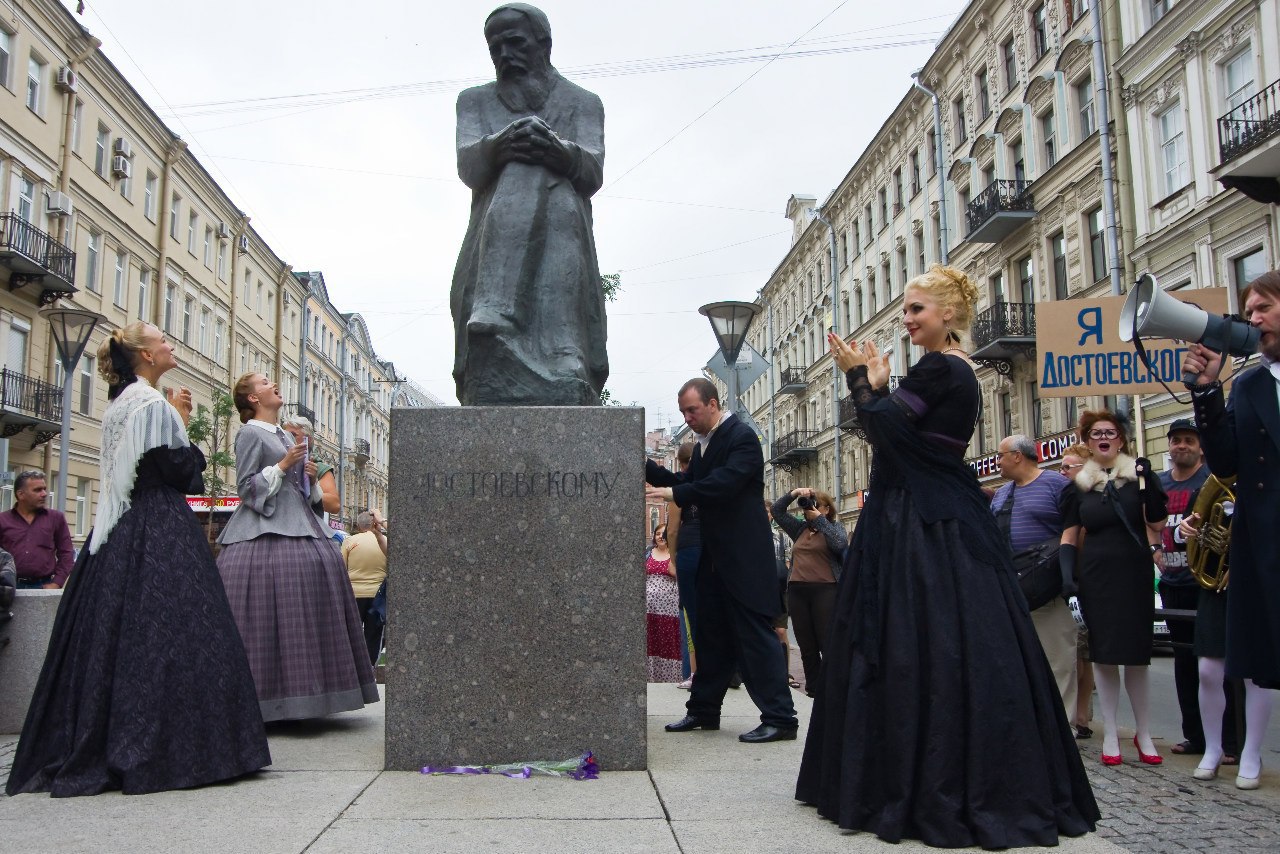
284	577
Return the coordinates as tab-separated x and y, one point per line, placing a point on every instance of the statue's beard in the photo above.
527	92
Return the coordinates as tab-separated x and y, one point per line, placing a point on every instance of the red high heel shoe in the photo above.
1147	758
1112	760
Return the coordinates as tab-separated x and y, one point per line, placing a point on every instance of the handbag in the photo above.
378	609
1037	567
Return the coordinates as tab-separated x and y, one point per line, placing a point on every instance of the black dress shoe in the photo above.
689	723
767	732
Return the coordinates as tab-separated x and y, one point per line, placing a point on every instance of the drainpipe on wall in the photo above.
64	177
939	162
1103	98
241	228
175	150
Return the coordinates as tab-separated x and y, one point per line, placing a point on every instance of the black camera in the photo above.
807	503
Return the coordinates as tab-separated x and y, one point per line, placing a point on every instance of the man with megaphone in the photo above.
1241	436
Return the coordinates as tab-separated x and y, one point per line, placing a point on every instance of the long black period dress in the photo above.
937	717
145	685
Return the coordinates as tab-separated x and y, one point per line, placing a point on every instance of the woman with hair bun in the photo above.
145	685
285	578
937	717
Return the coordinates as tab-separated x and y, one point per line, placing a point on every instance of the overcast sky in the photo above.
335	133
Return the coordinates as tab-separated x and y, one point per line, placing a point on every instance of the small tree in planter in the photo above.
210	430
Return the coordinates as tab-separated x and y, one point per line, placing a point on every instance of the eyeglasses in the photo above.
1071	466
1104	434
1001	454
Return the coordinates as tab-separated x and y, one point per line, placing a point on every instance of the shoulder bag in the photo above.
1039	573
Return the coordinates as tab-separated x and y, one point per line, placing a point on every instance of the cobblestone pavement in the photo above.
7	747
1161	809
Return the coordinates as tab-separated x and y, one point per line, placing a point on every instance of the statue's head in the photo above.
519	37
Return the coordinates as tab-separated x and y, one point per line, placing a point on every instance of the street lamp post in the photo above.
71	330
729	321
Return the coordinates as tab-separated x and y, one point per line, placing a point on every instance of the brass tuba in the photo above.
1207	551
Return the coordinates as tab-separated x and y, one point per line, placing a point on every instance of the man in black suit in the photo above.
1243	437
737	588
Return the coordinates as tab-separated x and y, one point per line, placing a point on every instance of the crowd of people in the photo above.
164	666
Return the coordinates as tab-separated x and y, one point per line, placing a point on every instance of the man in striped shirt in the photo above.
1037	516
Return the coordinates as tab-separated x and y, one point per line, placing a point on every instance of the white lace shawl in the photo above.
137	421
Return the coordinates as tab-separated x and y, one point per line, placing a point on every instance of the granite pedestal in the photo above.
23	656
515	605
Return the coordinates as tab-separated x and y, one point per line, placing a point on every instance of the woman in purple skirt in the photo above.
284	577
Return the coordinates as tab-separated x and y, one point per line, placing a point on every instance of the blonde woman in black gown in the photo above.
937	717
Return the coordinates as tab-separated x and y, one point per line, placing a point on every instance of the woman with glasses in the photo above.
662	610
938	717
1120	507
816	561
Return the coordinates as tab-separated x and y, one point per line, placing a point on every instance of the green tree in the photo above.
210	430
611	284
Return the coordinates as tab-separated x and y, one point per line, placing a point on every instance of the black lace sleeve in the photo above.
860	386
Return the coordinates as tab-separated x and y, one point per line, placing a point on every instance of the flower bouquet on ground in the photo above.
582	767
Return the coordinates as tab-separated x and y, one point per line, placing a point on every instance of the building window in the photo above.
1039	31
886	276
1048	132
933	153
1006	413
884	207
92	261
984	95
897	191
1037	411
1084	98
149	197
6	56
1075	11
218	334
188	309
1248	267
1173	149
872	295
1158	10
957	108
203	340
77	122
86	386
170	295
102	151
208	246
26	199
902	269
144	290
122	269
259	298
1097	248
193	220
35	84
920	261
1026	281
995	284
174	213
1010	65
963	206
870	224
915	172
83	501
1058	249
1019	162
244	358
937	237
222	262
1237	79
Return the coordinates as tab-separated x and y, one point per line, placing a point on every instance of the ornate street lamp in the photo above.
71	330
730	321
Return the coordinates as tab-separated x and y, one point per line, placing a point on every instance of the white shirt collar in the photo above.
703	440
263	425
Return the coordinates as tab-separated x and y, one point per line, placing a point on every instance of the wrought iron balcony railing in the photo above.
848	413
28	396
1004	320
28	251
1250	124
300	409
792	381
999	210
796	440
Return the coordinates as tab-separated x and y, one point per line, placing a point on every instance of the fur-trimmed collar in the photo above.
1093	477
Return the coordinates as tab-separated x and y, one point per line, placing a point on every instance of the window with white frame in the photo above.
119	286
1159	8
144	292
957	107
1058	251
915	172
85	401
259	297
102	151
1084	103
203	340
1039	31
1049	135
15	354
83	508
77	124
244	358
1019	160
1173	149
1026	281
170	298
6	56
193	221
26	199
149	196
92	261
1097	246
36	72
188	309
208	246
1245	268
1238	79
247	287
1010	57
984	94
174	213
219	333
222	262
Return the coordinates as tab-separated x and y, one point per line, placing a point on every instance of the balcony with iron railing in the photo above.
300	409
792	381
797	448
1249	138
998	211
360	451
1002	332
34	256
27	403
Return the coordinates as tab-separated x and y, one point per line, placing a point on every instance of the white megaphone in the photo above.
1150	312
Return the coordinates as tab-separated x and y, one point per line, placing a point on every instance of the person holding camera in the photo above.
816	561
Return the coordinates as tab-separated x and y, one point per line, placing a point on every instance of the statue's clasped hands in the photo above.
849	356
531	140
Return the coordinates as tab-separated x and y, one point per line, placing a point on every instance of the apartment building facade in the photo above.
106	209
